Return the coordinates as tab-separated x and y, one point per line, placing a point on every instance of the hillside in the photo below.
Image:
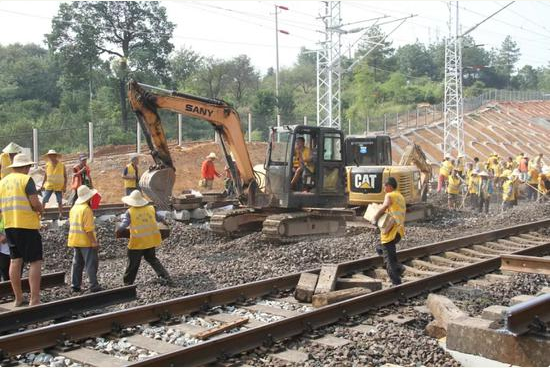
506	128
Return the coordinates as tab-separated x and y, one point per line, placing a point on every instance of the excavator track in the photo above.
237	222
294	225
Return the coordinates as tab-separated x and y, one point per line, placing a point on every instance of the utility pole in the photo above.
329	68
453	108
277	7
453	116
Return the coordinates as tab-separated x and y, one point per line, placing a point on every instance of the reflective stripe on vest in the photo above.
130	183
5	161
15	205
144	230
508	191
397	210
55	176
77	234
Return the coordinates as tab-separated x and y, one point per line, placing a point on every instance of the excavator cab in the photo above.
305	167
368	151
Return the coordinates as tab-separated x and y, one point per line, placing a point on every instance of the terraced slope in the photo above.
506	128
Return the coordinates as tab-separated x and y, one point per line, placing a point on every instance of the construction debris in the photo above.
323	299
306	287
444	311
327	279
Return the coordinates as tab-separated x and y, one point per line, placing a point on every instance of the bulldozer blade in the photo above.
158	185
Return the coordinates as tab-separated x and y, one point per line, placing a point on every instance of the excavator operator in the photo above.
302	164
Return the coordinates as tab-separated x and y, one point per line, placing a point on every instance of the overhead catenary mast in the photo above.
329	70
453	114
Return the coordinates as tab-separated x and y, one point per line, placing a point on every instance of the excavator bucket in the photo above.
158	185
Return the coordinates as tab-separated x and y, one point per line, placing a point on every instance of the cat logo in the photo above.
365	181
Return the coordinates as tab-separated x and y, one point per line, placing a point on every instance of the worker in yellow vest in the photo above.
131	175
141	219
473	189
444	172
394	206
508	192
55	180
460	165
83	240
518	159
21	210
532	182
542	186
6	158
453	190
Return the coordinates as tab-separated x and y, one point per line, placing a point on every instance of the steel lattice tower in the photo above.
328	68
453	136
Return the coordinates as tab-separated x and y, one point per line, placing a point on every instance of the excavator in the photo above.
369	164
292	196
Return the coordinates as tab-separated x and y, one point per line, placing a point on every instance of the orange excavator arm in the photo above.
220	114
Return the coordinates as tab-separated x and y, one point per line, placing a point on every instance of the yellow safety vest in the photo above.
306	156
508	193
130	183
55	176
77	234
454	185
15	205
533	176
518	159
541	185
446	168
144	230
473	185
5	161
397	211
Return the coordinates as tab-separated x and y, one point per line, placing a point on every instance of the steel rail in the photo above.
16	318
48	336
223	347
525	264
52	213
46	281
532	314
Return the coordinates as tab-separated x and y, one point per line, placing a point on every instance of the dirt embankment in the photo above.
109	163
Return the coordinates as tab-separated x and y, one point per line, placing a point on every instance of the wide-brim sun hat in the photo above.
52	152
21	160
135	199
84	194
483	173
82	157
212	155
12	148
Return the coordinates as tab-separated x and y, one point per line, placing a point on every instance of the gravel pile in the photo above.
199	260
500	293
388	343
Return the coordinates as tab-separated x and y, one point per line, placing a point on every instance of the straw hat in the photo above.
82	157
212	155
52	152
12	148
483	173
84	194
21	160
135	199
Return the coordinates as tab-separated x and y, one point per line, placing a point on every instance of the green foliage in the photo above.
94	47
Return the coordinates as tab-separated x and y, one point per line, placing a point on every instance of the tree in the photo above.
380	54
507	57
414	60
183	64
212	78
526	79
133	36
243	78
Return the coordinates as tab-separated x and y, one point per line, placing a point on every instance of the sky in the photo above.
226	29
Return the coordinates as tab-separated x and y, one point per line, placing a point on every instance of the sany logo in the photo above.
365	181
198	110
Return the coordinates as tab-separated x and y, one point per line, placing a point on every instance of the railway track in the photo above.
270	313
104	209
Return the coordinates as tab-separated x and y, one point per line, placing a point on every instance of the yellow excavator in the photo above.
287	205
369	164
